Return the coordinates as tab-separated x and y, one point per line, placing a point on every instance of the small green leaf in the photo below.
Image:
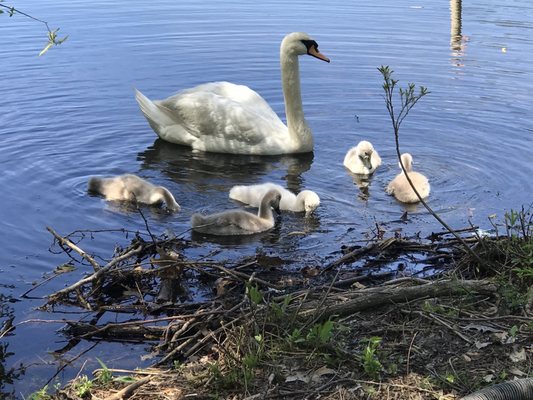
61	269
254	294
326	331
62	40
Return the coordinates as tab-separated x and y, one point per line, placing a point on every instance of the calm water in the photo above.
72	114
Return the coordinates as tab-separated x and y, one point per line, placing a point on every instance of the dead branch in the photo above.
65	242
128	390
241	276
447	325
117	331
376	247
98	274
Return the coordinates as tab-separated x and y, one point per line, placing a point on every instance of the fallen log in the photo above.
127	332
367	298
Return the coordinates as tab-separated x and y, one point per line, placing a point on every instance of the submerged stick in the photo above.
359	252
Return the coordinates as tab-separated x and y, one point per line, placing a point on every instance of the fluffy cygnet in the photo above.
130	187
362	159
239	222
400	188
306	200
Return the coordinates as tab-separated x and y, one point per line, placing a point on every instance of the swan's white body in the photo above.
226	118
399	187
306	200
130	187
362	159
239	222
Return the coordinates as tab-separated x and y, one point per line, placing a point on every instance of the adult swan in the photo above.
226	118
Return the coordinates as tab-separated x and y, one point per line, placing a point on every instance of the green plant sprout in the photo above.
369	358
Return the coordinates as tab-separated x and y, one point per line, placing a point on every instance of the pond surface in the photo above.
71	114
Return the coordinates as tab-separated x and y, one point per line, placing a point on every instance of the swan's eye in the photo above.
310	44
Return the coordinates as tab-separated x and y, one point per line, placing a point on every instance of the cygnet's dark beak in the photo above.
366	162
276	208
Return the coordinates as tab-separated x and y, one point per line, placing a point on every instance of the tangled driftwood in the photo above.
154	269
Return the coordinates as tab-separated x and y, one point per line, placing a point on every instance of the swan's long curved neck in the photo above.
290	79
168	198
407	163
265	210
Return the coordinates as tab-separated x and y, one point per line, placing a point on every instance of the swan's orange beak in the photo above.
315	53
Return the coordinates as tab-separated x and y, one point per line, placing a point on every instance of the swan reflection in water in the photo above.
362	182
219	171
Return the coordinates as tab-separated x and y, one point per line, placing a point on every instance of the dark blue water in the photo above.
71	114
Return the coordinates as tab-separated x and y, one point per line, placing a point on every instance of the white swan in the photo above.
400	188
130	187
223	117
362	159
239	222
306	200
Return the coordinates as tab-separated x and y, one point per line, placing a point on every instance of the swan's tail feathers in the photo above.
156	115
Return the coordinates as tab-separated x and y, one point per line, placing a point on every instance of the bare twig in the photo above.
99	273
69	362
409	353
65	242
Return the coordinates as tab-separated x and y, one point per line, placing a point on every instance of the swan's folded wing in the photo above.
241	222
223	111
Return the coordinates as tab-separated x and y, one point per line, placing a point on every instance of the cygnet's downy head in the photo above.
310	199
94	185
407	161
364	152
274	202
